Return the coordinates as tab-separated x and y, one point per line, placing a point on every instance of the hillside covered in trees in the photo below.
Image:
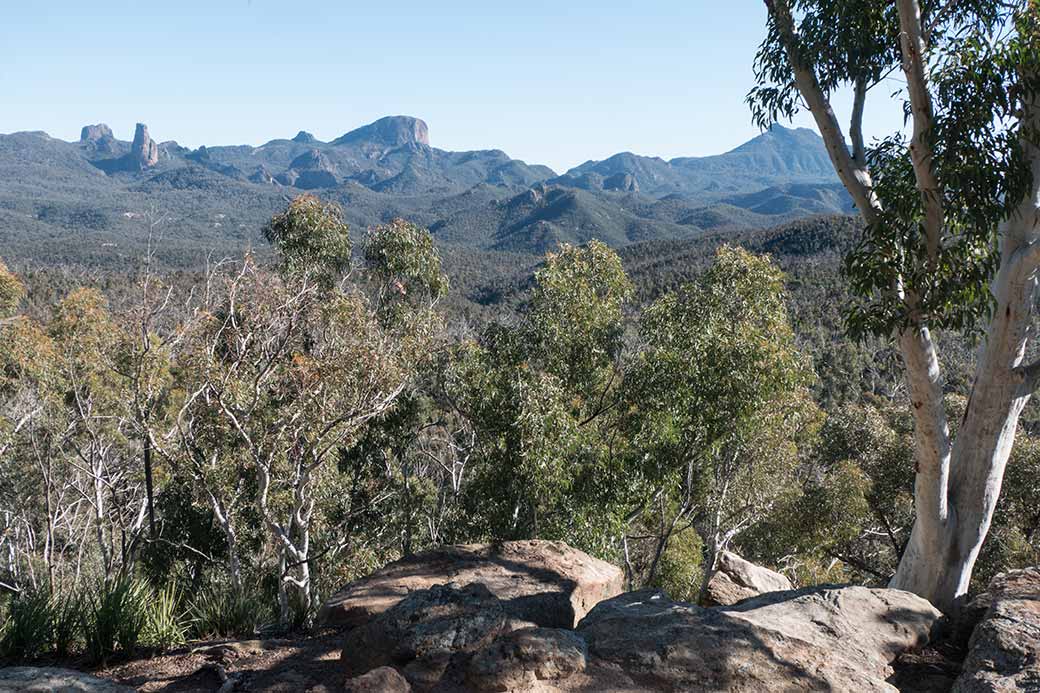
243	441
713	423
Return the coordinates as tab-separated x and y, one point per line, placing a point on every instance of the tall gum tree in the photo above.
949	213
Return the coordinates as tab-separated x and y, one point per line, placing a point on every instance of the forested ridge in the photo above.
243	440
555	429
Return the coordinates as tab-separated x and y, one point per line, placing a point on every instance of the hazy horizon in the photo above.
548	85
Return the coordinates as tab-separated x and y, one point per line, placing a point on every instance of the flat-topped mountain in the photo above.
391	131
98	189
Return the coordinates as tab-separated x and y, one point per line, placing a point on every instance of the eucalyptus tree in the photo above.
96	423
12	291
950	212
296	364
720	403
542	395
31	482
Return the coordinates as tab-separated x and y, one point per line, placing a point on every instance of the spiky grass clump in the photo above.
166	627
67	622
225	612
115	618
28	629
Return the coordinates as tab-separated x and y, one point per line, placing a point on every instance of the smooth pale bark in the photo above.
922	154
942	551
931	431
853	174
957	482
223	518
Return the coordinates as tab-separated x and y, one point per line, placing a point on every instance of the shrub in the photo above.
682	567
29	626
115	617
67	619
165	626
224	612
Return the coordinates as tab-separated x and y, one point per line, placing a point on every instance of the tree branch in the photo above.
931	432
859	149
854	176
922	154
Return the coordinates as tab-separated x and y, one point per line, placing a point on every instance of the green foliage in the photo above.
720	412
12	291
681	569
978	53
560	420
720	368
68	610
220	611
858	503
538	395
29	628
402	260
165	626
575	315
312	240
115	617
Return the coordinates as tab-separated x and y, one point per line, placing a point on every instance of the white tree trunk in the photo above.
943	548
957	484
223	518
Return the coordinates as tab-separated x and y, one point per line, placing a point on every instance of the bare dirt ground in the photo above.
308	664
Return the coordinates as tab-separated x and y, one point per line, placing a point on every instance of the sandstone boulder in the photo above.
816	639
1004	650
522	659
54	680
546	583
424	632
737	579
381	680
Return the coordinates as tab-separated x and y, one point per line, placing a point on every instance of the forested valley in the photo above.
644	426
208	454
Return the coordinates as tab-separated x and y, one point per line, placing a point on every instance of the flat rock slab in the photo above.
816	639
546	583
1004	650
54	680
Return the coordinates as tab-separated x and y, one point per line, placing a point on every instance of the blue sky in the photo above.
549	82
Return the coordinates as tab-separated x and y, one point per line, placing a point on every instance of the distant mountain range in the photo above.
89	201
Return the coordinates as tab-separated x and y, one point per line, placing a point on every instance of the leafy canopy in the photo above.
312	240
979	55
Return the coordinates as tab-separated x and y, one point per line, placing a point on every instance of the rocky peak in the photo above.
624	182
144	151
313	159
391	131
304	137
201	154
262	176
93	133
